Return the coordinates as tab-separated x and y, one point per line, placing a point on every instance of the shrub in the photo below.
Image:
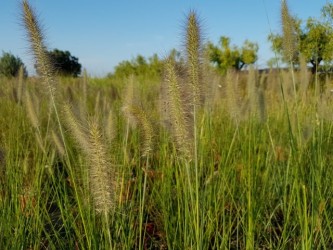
10	65
64	63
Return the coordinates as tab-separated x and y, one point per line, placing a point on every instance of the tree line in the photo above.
64	64
312	41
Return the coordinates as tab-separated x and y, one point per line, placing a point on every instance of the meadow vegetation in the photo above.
189	160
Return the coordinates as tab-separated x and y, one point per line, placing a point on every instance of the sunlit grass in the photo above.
260	185
238	162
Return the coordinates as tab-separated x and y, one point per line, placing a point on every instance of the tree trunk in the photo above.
241	65
315	64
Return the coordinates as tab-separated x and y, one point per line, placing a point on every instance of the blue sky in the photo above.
104	32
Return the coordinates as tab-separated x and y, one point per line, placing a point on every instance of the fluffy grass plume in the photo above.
304	78
34	120
288	28
102	183
175	110
261	104
194	55
146	129
256	95
129	100
136	116
31	110
75	128
42	60
232	94
37	45
252	89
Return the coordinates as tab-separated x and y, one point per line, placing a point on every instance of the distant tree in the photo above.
10	65
139	66
327	12
317	43
314	41
65	64
155	65
223	56
273	62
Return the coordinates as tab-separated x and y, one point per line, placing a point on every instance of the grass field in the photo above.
193	160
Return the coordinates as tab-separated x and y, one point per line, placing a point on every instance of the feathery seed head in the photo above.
289	33
75	128
102	184
110	127
146	128
31	110
37	45
177	115
194	55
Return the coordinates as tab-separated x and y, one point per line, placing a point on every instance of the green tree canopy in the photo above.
223	56
314	41
327	12
139	66
10	65
65	64
317	43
